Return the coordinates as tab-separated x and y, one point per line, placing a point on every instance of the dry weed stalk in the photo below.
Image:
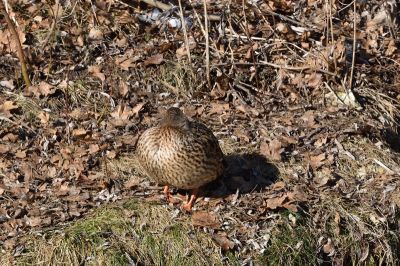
354	44
207	43
185	32
166	7
53	24
20	52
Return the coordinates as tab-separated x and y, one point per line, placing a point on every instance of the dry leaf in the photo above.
328	248
276	202
205	219
223	242
123	89
154	60
6	107
43	89
20	154
272	150
96	72
111	154
317	161
218	108
44	117
95	34
93	148
132	182
137	108
34	221
4	148
126	62
79	132
9	84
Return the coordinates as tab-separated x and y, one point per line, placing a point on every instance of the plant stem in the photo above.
20	52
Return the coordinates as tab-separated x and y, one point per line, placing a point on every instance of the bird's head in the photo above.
174	117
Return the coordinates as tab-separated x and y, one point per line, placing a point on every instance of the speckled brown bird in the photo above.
180	153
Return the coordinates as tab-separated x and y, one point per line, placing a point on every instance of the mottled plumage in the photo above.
180	153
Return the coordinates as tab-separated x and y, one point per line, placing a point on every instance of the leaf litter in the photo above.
303	148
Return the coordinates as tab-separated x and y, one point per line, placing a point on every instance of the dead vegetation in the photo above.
303	96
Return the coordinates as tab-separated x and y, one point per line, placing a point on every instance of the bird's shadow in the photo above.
244	172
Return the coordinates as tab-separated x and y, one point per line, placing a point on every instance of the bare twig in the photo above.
291	20
53	24
185	32
331	32
166	7
207	43
354	44
20	52
301	68
265	63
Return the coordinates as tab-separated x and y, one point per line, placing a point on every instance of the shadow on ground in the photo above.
244	172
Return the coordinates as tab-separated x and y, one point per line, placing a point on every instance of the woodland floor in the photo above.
311	135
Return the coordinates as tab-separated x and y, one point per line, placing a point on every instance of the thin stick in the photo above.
315	28
166	7
53	24
295	68
185	32
20	52
354	44
207	43
332	36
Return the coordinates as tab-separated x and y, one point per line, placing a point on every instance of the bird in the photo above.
181	153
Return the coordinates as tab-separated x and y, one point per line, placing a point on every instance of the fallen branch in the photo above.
20	52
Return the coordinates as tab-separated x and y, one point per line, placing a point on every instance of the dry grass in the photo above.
134	231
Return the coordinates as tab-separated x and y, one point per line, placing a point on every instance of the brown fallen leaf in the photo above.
314	80
223	242
309	119
272	150
218	108
123	88
154	60
132	182
126	62
122	114
6	107
44	117
34	221
278	186
205	219
78	132
9	243
111	154
137	108
79	197
95	34
317	161
8	84
43	89
93	148
4	148
96	72
20	154
290	206
277	202
328	248
7	41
